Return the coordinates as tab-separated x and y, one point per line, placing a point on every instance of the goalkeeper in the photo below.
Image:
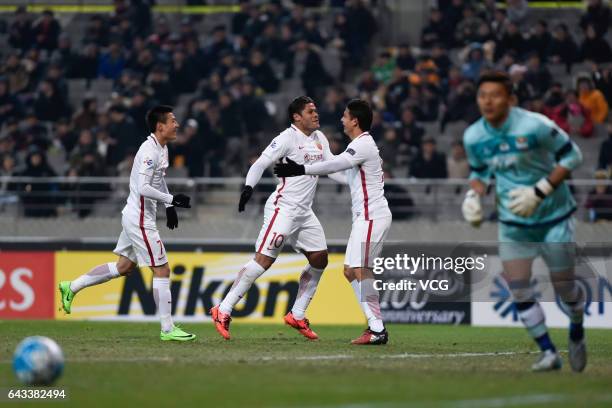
530	157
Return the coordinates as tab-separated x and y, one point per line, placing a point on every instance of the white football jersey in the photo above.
295	194
366	179
152	161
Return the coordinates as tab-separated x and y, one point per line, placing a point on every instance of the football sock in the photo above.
309	280
163	301
369	302
532	316
99	274
251	271
573	305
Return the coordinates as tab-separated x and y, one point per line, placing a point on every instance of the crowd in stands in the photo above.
228	71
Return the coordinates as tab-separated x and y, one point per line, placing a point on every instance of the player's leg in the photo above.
559	255
309	239
270	242
163	301
101	273
365	244
518	248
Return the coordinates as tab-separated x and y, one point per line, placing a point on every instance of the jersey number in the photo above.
276	241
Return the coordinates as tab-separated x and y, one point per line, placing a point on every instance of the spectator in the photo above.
46	31
38	198
405	60
262	73
593	100
65	135
21	33
389	148
605	152
523	91
517	11
140	105
312	33
361	27
163	91
10	107
436	31
383	67
474	63
440	57
537	76
602	79
229	111
512	40
123	135
183	75
65	56
563	48
598	16
595	48
461	105
313	75
332	108
49	104
87	65
568	113
97	31
599	200
468	29
240	19
410	133
16	74
87	116
429	164
112	62
254	113
540	40
457	164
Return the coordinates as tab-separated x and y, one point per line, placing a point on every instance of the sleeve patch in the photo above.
148	162
350	151
273	145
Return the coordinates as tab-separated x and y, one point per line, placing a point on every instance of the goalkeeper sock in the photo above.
573	305
99	274
309	280
247	275
369	302
163	301
532	316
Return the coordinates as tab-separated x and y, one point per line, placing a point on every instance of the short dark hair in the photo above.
157	114
361	110
297	106
497	77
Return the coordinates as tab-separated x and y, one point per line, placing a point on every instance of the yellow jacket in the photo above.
595	102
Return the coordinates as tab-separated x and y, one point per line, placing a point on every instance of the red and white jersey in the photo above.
295	194
150	164
366	179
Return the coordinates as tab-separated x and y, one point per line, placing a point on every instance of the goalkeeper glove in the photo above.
525	200
171	218
471	208
289	169
245	196
181	201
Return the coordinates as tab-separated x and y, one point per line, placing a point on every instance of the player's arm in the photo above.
146	190
525	200
339	177
478	180
351	157
171	215
275	150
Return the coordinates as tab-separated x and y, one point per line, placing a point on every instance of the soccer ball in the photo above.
38	360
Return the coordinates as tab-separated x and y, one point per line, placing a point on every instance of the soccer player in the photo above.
371	215
288	217
139	242
530	157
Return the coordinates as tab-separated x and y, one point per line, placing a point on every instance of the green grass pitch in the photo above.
125	364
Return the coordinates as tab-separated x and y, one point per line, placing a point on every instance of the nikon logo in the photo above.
198	293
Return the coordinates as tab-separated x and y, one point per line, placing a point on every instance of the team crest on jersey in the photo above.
273	145
522	143
148	162
504	147
319	145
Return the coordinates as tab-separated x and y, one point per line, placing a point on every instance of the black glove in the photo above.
181	201
245	196
289	169
171	218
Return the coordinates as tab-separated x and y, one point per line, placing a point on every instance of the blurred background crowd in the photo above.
72	102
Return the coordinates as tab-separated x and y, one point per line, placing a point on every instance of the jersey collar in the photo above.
295	128
154	139
503	129
363	134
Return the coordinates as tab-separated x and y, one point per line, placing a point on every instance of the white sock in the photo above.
371	306
99	274
369	301
309	280
247	275
163	301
